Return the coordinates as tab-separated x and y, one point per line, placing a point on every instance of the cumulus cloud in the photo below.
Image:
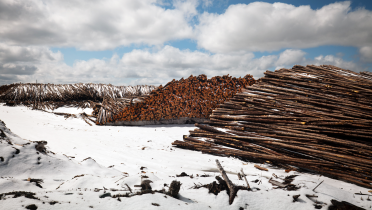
187	7
10	54
290	56
18	62
30	27
149	66
258	26
93	25
366	53
13	69
172	62
261	26
336	61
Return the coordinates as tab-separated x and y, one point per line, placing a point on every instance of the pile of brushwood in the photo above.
52	96
194	97
314	118
5	88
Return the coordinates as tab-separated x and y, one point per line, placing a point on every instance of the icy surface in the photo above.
107	157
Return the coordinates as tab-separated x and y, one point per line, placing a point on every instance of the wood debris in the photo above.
281	185
261	168
232	188
318	185
336	205
174	188
295	197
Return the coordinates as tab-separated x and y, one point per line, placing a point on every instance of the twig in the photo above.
318	185
248	186
130	190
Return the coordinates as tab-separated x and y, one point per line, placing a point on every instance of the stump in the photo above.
174	189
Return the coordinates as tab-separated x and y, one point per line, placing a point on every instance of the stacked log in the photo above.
51	96
194	97
316	118
110	107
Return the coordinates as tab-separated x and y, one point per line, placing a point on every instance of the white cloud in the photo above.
150	66
187	7
263	26
366	53
336	61
30	27
258	26
290	56
21	62
18	54
170	62
207	3
93	25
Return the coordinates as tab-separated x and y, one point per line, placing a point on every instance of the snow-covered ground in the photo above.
115	157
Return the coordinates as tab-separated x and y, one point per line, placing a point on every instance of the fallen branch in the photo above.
233	189
248	187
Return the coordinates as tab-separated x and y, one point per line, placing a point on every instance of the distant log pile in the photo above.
194	97
51	96
5	88
317	118
110	107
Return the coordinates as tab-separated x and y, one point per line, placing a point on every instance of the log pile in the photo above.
194	97
110	107
83	95
5	88
314	118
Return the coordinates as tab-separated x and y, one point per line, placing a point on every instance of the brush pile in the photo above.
83	95
315	118
5	88
194	97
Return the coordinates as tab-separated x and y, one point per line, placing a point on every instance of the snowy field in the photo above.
112	158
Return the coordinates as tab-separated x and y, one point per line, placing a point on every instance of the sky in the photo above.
138	42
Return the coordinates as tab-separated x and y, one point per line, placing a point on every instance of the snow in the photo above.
111	157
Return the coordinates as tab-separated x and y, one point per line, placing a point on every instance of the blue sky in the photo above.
154	41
